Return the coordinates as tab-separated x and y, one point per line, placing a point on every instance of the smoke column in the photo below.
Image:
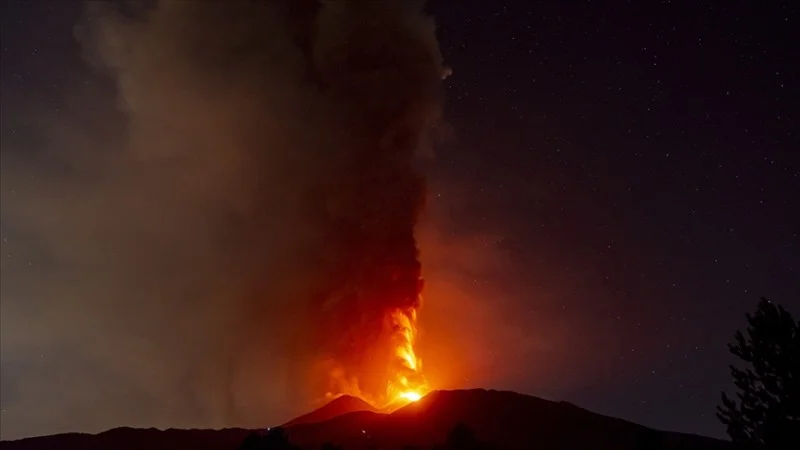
228	239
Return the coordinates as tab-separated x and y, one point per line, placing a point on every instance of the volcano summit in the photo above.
453	419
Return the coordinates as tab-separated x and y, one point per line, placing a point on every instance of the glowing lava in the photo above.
407	383
411	396
402	373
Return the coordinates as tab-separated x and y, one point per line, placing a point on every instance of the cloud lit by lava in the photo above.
236	212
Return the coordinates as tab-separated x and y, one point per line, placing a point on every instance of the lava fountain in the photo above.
396	365
407	384
382	81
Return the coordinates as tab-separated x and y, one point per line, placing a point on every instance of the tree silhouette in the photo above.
275	439
767	414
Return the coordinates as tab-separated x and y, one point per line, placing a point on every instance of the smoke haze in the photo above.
258	184
213	211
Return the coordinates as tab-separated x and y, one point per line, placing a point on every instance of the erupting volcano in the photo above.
377	70
403	380
302	127
408	384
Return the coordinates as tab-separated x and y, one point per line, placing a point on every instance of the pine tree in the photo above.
767	413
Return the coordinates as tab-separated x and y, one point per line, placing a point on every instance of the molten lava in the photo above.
411	396
399	369
391	376
407	384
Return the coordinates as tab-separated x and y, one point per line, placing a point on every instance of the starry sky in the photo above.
618	187
642	161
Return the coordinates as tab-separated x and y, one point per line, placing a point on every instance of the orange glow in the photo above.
401	370
407	384
411	396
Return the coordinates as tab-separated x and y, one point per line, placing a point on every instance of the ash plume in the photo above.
235	229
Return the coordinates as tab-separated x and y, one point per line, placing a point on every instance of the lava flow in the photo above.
402	381
407	383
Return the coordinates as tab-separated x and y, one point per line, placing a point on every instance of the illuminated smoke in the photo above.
245	234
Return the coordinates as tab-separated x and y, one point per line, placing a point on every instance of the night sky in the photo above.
622	181
643	162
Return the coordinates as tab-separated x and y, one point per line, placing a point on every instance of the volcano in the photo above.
495	419
338	407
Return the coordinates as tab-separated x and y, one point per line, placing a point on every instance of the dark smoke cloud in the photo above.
237	226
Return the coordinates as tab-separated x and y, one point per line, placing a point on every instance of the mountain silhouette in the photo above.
499	419
338	407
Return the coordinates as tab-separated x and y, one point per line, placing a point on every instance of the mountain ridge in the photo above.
339	406
503	419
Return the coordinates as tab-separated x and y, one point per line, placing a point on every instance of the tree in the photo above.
767	413
274	439
277	439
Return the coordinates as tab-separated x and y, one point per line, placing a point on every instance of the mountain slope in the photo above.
134	439
335	408
504	419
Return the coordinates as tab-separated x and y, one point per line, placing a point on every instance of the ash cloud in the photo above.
202	253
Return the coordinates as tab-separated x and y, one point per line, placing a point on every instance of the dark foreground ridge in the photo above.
335	408
496	419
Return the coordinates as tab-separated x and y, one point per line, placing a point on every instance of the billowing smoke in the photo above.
236	229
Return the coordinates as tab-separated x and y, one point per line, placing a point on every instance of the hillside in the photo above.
335	408
134	439
502	419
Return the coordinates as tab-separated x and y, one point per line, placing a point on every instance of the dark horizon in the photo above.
334	422
612	189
